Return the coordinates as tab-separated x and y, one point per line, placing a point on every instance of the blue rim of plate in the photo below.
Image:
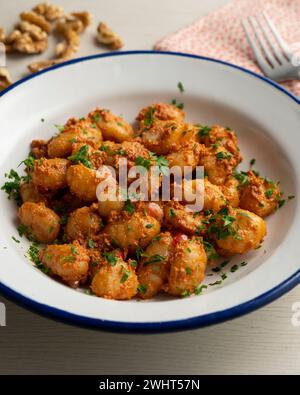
154	327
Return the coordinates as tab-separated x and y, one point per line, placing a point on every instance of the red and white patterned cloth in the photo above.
220	35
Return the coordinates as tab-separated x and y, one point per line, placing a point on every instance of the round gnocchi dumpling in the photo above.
75	131
83	182
153	269
50	174
162	112
179	217
237	231
162	136
187	266
187	155
30	193
112	126
83	223
42	224
231	191
132	230
115	279
70	262
259	195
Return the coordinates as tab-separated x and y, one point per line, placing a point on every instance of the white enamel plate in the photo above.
267	121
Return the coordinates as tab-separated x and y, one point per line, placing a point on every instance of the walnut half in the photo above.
107	37
5	79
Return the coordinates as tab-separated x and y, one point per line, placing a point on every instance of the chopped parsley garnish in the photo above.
180	106
269	193
81	156
28	162
172	213
97	117
90	243
180	87
33	254
140	161
223	155
204	131
142	288
186	293
281	203
242	178
12	187
110	257
149	116
156	258
210	251
149	226
125	276
14	239
221	225
73	249
139	253
188	271
234	268
133	263
199	289
60	128
129	207
22	230
252	162
219	282
291	197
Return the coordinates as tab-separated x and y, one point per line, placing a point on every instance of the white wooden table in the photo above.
262	342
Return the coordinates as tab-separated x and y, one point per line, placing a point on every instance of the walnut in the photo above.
5	79
35	32
84	16
43	64
49	11
26	44
2	34
66	49
36	19
107	37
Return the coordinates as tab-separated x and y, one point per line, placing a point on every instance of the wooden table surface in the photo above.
262	342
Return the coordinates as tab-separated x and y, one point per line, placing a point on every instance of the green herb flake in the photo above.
172	213
252	162
223	155
129	207
204	131
234	268
110	257
142	288
140	161
199	289
81	156
149	116
180	87
149	226
14	239
60	128
269	193
156	258
281	203
90	243
188	271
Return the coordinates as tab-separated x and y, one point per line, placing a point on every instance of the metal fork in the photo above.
272	53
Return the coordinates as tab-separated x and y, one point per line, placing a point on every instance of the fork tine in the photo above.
257	51
269	55
278	37
277	51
